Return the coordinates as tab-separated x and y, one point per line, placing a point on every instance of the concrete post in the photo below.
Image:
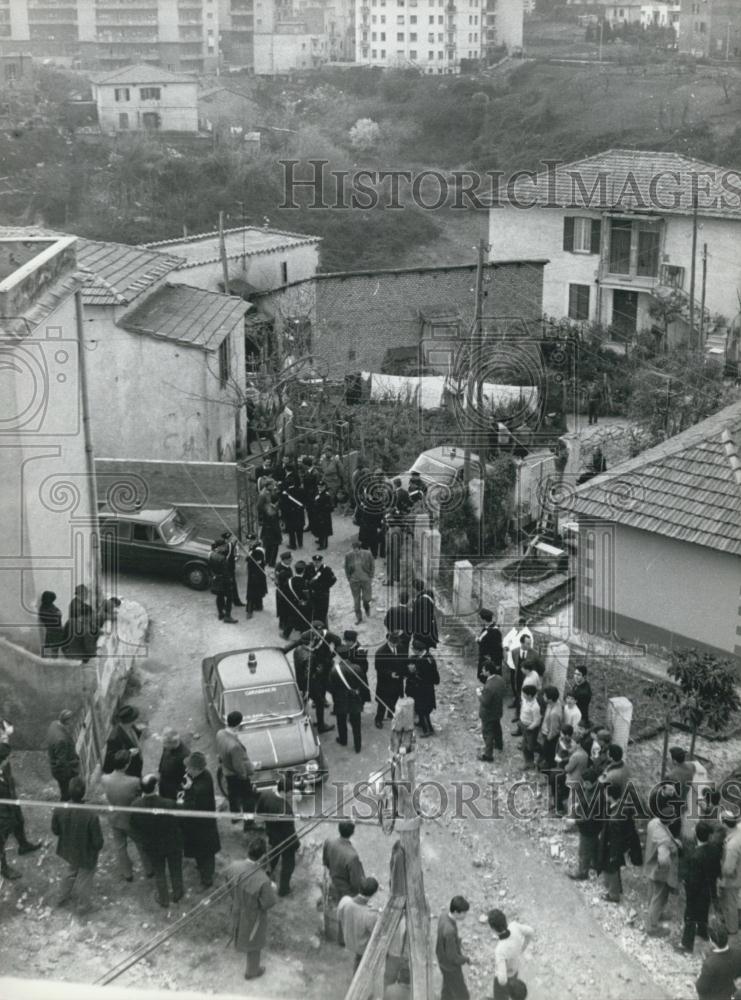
619	718
508	615
557	665
463	602
430	556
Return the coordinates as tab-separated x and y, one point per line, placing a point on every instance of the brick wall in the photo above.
357	317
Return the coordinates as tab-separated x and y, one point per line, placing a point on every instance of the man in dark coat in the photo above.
63	758
589	813
489	640
283	574
257	584
161	840
343	864
125	735
309	484
293	511
50	621
172	763
319	587
618	838
721	968
699	869
399	619
11	817
391	670
280	831
221	583
252	896
448	951
581	689
491	708
231	567
200	836
270	530
424	616
80	840
298	606
321	515
422	678
348	685
81	627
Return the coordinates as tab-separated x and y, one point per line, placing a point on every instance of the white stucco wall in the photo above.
46	513
528	233
154	399
262	270
177	106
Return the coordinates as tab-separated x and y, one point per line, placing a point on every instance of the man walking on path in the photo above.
512	941
236	767
221	582
121	789
280	831
253	894
319	587
79	843
391	670
491	709
450	957
348	685
398	618
700	871
63	759
161	840
359	570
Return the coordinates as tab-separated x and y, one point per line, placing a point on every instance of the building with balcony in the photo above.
292	35
237	25
617	230
710	28
146	99
177	34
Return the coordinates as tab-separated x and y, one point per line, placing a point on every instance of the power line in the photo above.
204	904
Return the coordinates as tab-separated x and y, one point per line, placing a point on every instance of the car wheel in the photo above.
196	576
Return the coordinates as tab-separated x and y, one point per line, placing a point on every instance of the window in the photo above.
440	19
581	235
374	54
284	272
413	19
143	533
412	53
579	302
150	93
383	39
151	120
122	94
432	18
11	72
373	36
383	18
703	27
412	36
647	263
441	38
224	362
399	36
430	55
383	53
399	18
374	19
123	120
621	232
440	55
431	37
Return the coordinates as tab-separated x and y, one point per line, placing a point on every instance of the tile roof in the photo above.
633	180
118	273
203	248
141	73
688	487
187	315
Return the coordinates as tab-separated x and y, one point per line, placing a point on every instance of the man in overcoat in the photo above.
253	894
63	758
200	836
80	840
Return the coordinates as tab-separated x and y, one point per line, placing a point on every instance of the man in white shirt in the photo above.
510	644
512	940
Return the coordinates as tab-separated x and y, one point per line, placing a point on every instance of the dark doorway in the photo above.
624	312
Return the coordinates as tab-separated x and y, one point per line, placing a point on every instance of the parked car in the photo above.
276	731
155	541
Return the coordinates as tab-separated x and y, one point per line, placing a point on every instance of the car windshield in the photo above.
430	468
174	528
275	701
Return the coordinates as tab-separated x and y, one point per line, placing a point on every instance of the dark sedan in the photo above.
155	541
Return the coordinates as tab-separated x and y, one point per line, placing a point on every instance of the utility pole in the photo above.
222	252
693	265
601	33
475	330
702	296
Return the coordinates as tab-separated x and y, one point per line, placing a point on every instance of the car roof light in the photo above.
252	663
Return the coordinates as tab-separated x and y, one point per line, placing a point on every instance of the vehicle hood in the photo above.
280	744
196	546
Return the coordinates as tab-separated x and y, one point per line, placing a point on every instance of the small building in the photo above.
47	496
617	231
223	107
265	259
361	320
146	98
710	29
659	552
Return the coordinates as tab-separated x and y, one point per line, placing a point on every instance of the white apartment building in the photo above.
434	35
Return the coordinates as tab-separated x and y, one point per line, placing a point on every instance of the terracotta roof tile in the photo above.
187	315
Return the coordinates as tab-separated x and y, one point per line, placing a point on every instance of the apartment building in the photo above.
237	26
710	28
177	34
435	36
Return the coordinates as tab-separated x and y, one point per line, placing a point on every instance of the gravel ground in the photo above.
583	947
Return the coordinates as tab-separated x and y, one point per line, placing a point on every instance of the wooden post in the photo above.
222	252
